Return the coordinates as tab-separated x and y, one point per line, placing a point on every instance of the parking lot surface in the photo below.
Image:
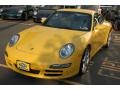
104	68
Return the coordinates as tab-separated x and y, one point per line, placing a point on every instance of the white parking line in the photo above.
3	65
27	24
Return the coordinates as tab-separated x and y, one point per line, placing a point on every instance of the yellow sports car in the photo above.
61	47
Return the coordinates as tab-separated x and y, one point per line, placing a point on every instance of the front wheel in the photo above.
85	62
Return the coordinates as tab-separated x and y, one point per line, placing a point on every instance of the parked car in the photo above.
61	47
2	7
1	11
45	11
117	21
112	14
17	12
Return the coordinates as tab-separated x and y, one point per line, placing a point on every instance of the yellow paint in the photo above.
46	43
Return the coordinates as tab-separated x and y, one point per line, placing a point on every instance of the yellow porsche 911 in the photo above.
61	47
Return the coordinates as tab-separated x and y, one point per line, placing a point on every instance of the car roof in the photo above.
79	10
16	7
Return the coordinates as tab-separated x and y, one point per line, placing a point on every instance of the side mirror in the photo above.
43	20
95	22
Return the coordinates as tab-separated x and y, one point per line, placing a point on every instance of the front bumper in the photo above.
44	71
37	19
12	16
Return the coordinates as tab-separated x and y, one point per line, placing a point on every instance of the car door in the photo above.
97	35
103	29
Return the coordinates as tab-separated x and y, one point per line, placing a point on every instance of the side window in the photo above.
95	19
29	7
100	19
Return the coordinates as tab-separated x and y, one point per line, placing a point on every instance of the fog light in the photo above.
57	66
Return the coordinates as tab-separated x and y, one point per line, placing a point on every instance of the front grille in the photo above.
31	70
34	71
53	71
52	74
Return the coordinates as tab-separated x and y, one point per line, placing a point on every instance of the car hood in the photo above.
41	39
12	10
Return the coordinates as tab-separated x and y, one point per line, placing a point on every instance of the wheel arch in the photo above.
89	47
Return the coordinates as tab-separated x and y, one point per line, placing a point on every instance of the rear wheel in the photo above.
85	62
108	41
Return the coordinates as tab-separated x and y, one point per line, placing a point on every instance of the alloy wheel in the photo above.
85	61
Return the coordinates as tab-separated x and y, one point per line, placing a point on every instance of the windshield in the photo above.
69	20
11	11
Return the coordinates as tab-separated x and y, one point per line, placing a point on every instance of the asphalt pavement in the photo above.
104	68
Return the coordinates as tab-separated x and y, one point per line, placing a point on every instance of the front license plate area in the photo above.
23	66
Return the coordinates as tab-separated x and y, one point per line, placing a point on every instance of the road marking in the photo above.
23	23
71	82
110	68
3	65
111	61
116	44
114	34
111	64
116	38
100	72
29	24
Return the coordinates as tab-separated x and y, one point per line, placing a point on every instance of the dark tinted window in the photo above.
70	20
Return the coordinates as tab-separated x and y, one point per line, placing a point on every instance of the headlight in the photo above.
35	13
66	50
20	11
1	10
14	40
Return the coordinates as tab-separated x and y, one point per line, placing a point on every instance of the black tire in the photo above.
3	18
84	61
25	16
108	41
36	20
